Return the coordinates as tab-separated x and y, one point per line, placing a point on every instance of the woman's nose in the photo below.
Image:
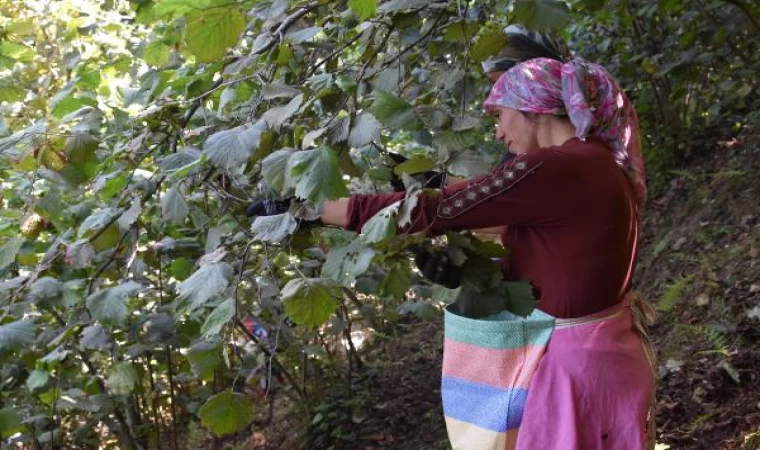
499	133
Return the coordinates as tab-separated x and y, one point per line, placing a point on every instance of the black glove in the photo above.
428	179
436	266
267	207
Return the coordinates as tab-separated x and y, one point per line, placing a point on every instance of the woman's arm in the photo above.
335	212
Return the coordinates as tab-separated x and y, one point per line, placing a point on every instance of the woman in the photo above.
569	202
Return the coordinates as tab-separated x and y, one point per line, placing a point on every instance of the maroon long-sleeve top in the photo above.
570	216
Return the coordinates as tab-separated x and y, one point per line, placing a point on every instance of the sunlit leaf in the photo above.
218	318
226	413
415	164
365	130
344	263
230	149
37	379
394	112
15	335
275	117
204	357
173	207
206	283
315	175
363	8
274	228
108	305
122	378
310	301
211	32
382	226
156	53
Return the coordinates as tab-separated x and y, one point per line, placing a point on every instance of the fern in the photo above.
673	293
729	174
752	441
685	174
717	339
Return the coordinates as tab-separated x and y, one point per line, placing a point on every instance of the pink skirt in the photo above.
593	390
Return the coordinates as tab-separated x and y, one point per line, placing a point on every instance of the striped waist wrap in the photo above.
488	365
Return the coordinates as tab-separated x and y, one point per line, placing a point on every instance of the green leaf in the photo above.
274	228
130	216
394	112
108	305
10	423
210	32
275	117
46	290
363	8
315	175
168	8
365	130
156	54
277	90
22	27
181	268
461	31
93	337
122	378
204	357
432	116
343	264
231	149
9	92
37	379
273	168
382	226
218	318
226	413
18	334
489	43
9	250
396	281
521	299
97	221
173	207
17	52
206	283
310	301
302	35
542	15
415	164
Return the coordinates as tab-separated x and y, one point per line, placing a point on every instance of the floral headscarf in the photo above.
587	94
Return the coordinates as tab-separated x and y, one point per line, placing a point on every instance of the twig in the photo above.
414	44
275	362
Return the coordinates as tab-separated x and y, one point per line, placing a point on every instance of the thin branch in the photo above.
275	362
415	43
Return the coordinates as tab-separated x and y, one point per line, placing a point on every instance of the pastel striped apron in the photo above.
488	366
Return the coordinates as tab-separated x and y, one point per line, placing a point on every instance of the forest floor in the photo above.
699	264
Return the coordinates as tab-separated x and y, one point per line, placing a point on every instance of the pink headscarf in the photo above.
587	94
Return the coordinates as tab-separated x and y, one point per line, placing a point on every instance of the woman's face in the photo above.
517	131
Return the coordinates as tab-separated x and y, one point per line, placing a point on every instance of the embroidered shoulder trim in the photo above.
498	182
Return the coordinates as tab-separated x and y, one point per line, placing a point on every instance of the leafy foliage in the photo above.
133	134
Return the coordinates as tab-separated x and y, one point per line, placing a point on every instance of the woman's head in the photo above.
583	92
